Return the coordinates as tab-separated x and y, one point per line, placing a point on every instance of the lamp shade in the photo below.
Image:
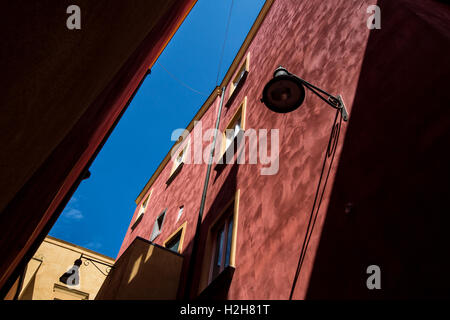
284	92
72	276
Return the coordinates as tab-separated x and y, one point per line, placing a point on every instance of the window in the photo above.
175	240
238	78
236	125
232	132
144	205
240	74
158	226
222	249
179	159
141	212
174	243
220	246
180	213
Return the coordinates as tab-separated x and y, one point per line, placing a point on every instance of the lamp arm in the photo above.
93	260
333	101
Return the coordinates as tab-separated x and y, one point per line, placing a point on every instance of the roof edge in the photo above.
73	246
216	91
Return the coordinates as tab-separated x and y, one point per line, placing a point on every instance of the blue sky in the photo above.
99	213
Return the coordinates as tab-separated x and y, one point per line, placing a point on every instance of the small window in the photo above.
232	132
236	125
143	206
157	227
180	158
238	78
240	74
141	211
223	234
180	213
175	240
174	243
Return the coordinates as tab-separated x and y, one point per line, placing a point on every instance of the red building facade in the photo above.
47	149
382	200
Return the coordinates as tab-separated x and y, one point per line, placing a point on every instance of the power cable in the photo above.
181	82
220	61
330	152
224	42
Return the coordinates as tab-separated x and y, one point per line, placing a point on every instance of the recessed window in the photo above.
220	245
240	74
232	132
223	234
180	157
141	211
180	213
175	240
143	205
174	243
238	78
222	248
157	227
178	160
236	124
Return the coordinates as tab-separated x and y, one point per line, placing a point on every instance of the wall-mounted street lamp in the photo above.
285	92
72	276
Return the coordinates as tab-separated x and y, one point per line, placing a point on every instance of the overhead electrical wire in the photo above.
224	42
181	82
220	61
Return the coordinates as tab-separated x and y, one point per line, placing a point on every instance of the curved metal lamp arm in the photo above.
108	267
333	101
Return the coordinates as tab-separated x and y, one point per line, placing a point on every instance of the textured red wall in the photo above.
328	44
185	190
324	43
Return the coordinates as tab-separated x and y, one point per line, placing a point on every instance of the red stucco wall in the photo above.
328	44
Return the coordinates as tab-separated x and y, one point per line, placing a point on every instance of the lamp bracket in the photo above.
333	101
93	261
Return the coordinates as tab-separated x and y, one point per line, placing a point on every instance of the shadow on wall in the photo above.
394	166
148	271
144	271
216	207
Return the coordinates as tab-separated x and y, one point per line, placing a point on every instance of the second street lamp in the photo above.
72	276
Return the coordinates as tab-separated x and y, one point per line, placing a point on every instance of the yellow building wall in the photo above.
53	258
143	272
